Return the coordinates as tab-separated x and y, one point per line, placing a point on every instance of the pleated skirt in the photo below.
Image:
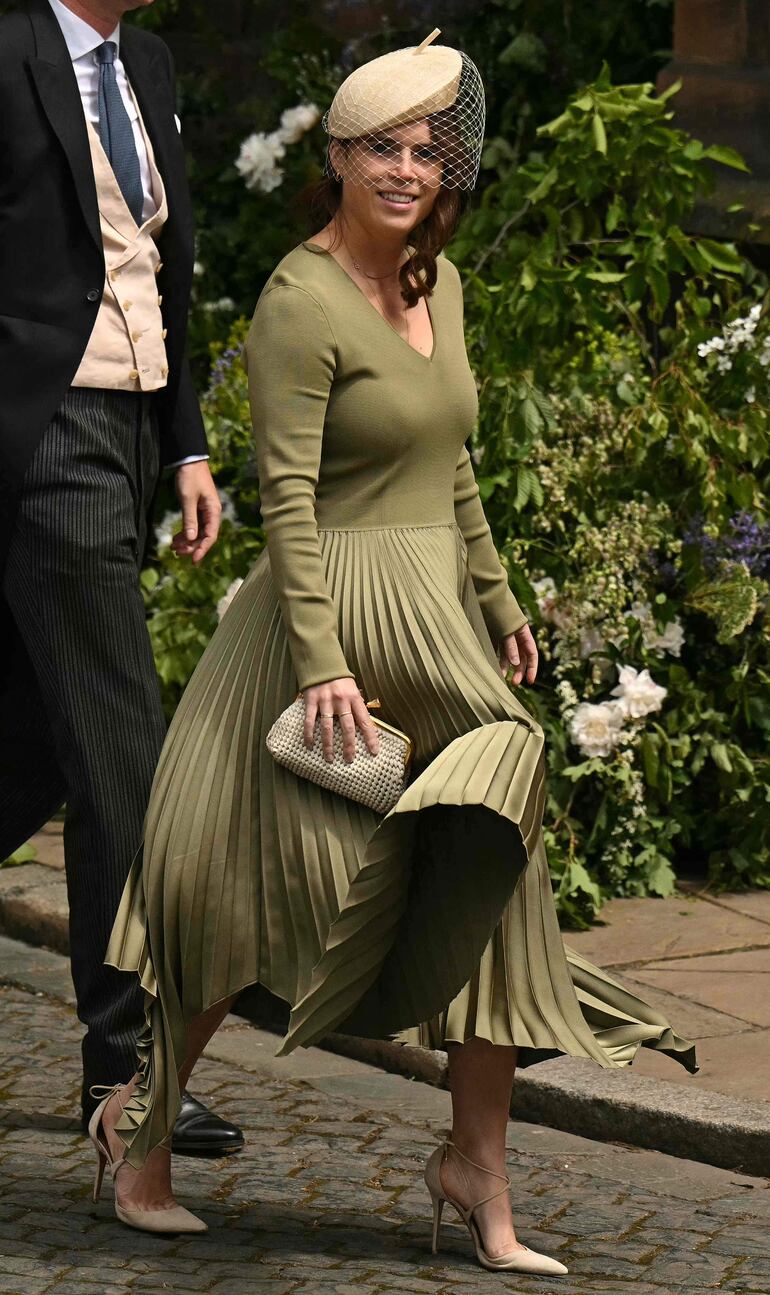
433	924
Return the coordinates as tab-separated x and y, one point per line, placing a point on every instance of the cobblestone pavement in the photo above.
328	1198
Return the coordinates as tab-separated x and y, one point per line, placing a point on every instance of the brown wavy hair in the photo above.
418	274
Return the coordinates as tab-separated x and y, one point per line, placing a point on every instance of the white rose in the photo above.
257	159
596	727
670	639
637	692
295	122
227	598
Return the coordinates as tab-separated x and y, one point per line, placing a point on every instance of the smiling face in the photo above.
390	180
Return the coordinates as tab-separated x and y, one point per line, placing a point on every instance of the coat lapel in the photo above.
148	74
57	88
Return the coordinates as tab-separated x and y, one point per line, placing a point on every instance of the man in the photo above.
96	254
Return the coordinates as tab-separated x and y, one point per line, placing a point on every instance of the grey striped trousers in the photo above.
80	711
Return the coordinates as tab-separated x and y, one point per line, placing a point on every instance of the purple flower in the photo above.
745	540
222	365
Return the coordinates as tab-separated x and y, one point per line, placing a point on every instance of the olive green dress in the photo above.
436	922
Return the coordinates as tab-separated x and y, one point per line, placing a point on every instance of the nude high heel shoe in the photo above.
523	1261
177	1219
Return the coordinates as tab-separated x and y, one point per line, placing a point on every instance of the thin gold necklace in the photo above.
376	277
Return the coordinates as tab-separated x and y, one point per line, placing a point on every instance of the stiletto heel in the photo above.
101	1165
523	1260
438	1206
177	1219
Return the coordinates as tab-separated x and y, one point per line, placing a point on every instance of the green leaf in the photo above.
599	133
721	757
557	126
670	90
605	276
527	278
722	256
731	599
660	877
575	879
727	156
542	189
526	480
650	759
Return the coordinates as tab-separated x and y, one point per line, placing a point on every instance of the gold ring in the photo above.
322	716
340	713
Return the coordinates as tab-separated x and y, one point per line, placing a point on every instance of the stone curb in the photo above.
568	1093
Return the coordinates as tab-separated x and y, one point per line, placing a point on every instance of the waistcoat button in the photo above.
93	295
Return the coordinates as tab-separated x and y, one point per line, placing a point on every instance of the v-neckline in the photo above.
427	359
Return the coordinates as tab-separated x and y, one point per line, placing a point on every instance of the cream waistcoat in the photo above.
126	350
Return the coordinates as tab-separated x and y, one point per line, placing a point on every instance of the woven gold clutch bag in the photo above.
374	780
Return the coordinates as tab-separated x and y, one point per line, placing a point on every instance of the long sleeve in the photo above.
290	356
501	611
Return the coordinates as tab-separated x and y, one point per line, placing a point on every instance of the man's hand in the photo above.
201	511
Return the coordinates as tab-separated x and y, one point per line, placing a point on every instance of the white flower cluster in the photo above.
737	335
222	303
261	152
670	639
227	597
597	728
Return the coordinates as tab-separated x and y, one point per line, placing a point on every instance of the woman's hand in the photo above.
341	698
519	651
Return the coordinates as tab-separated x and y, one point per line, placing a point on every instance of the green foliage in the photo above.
603	435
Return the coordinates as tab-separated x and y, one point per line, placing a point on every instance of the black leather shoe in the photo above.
199	1132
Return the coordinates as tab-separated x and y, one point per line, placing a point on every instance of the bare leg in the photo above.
150	1187
481	1077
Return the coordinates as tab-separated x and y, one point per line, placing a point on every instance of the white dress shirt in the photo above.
82	42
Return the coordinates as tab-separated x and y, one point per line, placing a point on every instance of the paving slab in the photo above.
638	931
743	991
734	1064
693	1020
752	903
750	960
33	905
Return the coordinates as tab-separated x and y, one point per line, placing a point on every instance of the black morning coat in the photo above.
51	257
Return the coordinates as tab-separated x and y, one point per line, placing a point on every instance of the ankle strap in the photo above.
503	1177
493	1195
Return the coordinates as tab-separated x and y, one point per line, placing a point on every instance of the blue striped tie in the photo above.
116	132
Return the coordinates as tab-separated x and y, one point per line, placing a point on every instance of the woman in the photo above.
435	924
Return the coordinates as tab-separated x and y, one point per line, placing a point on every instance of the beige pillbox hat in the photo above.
426	81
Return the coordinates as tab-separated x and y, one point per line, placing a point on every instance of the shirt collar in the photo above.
81	38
